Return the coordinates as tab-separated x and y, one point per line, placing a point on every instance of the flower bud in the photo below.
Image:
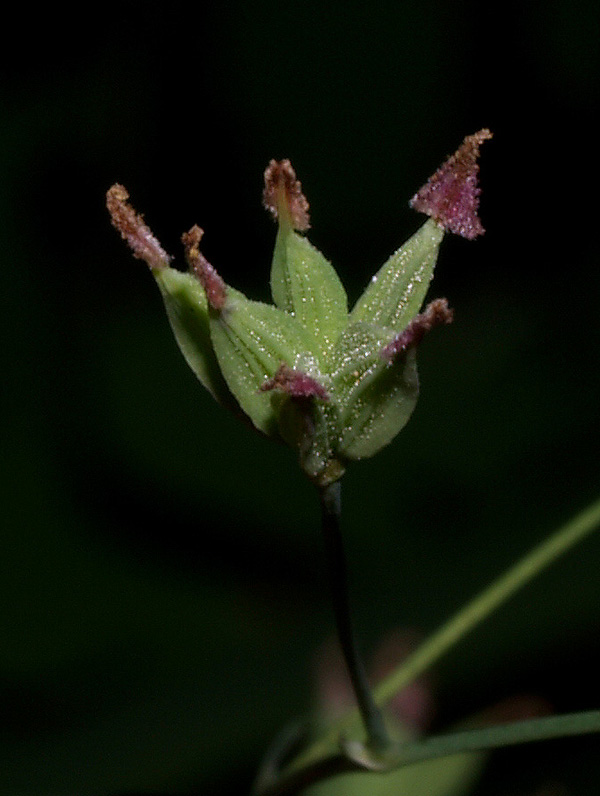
334	385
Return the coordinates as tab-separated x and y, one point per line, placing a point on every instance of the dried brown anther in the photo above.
436	313
451	196
214	287
133	229
283	196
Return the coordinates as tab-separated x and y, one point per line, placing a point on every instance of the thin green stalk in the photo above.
464	621
497	593
496	737
331	509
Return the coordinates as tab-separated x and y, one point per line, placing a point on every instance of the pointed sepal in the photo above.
397	291
376	396
251	340
185	300
303	282
187	311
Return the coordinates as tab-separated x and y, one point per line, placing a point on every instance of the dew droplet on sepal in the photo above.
283	197
214	286
451	195
436	313
133	229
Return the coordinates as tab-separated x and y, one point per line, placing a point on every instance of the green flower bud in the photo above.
334	385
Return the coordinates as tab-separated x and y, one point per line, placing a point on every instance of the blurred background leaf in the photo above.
163	593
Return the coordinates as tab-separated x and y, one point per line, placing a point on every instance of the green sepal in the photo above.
376	397
187	311
312	427
305	284
251	340
397	291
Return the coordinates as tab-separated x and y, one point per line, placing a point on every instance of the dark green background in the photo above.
163	592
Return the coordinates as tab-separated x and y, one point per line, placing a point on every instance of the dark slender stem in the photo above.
331	508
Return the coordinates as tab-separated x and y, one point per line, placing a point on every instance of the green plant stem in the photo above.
486	602
463	622
331	509
357	759
495	737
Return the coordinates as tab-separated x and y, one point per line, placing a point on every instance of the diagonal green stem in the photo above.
496	737
498	592
466	620
331	509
